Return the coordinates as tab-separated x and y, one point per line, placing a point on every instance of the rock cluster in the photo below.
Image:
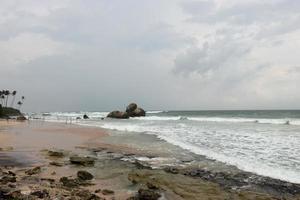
132	110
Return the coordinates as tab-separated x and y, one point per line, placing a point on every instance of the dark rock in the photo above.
118	115
171	170
87	195
134	111
78	117
55	153
139	112
57	164
40	194
68	182
8	179
85	116
107	192
21	118
98	190
84	175
131	107
50	180
78	160
146	194
33	171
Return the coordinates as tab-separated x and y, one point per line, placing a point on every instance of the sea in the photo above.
264	142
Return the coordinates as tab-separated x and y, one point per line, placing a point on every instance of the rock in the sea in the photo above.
131	107
85	116
21	118
139	112
84	175
134	111
33	171
118	115
78	160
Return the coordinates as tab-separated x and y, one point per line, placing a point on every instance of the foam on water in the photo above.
262	143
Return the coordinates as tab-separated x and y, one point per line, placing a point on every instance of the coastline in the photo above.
118	168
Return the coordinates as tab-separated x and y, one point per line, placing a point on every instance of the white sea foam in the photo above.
261	145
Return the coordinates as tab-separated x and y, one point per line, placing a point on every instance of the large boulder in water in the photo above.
138	112
131	107
134	111
118	115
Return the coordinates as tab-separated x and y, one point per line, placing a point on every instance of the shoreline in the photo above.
117	167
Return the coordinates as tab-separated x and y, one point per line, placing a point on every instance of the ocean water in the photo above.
263	142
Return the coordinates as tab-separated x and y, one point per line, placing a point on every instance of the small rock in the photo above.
107	192
40	194
118	115
33	171
98	190
146	194
56	153
87	195
82	160
85	117
21	118
84	175
57	164
67	182
8	179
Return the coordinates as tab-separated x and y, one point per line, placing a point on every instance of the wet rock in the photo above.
21	118
85	116
107	192
84	175
147	194
131	107
87	195
172	170
98	190
33	171
8	179
78	160
68	182
50	180
40	194
139	112
57	164
53	153
118	115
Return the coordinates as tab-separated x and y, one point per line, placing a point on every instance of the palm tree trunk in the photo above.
13	101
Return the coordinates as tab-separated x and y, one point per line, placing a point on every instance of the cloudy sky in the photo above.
163	54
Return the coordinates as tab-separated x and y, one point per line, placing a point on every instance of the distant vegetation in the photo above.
8	98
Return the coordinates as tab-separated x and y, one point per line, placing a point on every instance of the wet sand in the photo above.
29	144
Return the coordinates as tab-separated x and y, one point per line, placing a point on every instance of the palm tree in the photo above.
6	93
14	96
20	104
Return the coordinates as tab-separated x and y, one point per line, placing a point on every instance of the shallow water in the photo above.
254	141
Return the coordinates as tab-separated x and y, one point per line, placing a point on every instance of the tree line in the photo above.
6	101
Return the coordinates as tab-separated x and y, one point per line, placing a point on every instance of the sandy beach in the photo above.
47	149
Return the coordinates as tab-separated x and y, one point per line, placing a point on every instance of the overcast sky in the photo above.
71	55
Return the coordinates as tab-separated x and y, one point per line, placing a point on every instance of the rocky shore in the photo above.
102	171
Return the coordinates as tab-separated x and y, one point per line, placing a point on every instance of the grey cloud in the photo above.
212	55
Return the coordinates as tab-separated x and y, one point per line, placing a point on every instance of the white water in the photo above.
265	146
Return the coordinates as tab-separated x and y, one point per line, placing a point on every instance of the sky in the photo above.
78	55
